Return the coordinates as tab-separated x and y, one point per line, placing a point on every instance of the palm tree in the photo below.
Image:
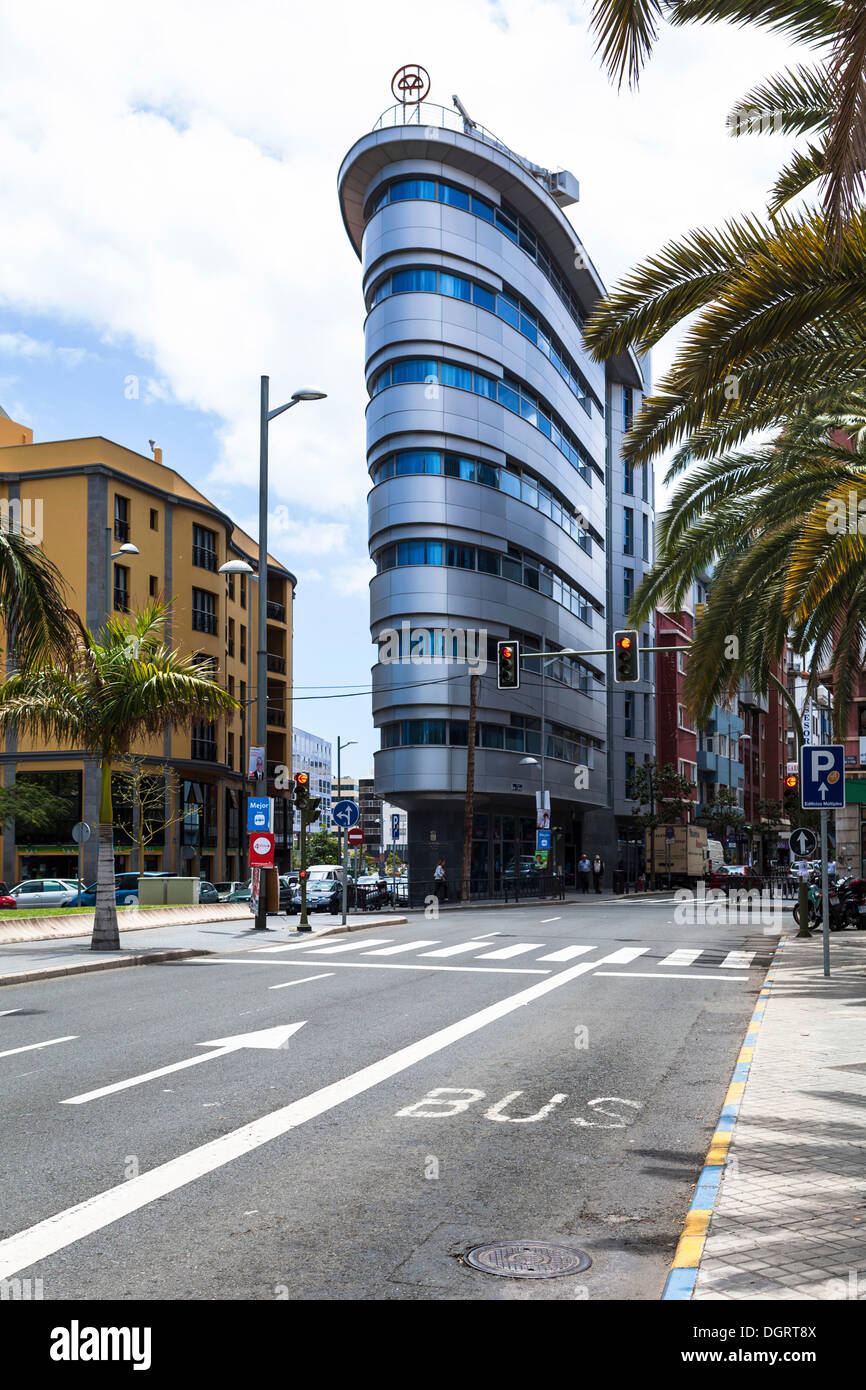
627	30
32	600
781	323
784	526
120	687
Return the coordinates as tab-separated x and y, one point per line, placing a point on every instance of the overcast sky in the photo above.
169	214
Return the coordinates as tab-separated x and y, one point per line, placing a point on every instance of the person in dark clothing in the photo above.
597	872
584	868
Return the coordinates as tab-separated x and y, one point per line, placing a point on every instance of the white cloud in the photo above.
31	349
175	185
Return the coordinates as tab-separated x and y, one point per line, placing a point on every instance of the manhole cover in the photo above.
528	1259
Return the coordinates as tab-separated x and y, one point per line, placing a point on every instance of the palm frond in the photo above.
846	147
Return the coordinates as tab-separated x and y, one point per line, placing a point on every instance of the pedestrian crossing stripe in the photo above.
680	962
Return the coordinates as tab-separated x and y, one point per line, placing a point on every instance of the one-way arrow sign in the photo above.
267	1038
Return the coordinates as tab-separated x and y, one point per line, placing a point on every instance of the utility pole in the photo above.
469	807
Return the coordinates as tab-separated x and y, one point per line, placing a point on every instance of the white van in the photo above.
325	871
715	855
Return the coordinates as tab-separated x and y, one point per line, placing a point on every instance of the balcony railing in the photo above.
203	621
203	557
277	717
276	663
277	611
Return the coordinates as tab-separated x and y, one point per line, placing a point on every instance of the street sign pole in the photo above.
825	895
345	873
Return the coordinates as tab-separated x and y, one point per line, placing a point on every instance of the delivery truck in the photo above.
681	852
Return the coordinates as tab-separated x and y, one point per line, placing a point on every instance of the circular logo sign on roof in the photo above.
410	84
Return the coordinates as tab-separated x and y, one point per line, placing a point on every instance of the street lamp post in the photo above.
126	549
265	417
343	851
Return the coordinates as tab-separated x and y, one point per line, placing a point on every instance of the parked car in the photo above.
739	876
43	892
125	890
240	892
284	902
7	900
223	890
207	893
324	895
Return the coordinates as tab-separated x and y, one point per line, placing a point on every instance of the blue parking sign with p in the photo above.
822	776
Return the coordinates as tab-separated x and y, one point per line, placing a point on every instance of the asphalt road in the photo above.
544	1072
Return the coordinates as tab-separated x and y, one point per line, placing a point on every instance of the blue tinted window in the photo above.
488	561
379	201
405	280
528	409
461	557
413	188
485	299
388	557
453	196
507	397
485	386
434	552
413	369
489	475
455	286
509	482
482	208
382	291
456	376
528	328
417	461
507	225
507	308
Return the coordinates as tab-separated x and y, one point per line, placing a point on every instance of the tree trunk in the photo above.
106	936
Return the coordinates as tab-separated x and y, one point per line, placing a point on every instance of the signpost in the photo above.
542	848
81	833
260	813
822	788
804	843
346	814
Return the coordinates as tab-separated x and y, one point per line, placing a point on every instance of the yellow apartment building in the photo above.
86	498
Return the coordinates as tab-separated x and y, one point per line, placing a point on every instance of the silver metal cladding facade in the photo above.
495	496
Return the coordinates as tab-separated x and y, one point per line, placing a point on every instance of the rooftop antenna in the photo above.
468	123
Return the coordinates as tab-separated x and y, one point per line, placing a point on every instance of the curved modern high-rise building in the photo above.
499	506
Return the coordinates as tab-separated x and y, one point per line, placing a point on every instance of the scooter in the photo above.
838	916
853	894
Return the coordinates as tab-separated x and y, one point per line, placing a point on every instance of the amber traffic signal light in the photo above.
302	788
792	781
625	649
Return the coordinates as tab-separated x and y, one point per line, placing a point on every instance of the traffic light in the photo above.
792	781
508	665
625	669
302	789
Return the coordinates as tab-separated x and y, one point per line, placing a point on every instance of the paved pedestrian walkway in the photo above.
789	1217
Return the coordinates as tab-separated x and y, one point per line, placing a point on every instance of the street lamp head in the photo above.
128	549
529	762
308	393
236	567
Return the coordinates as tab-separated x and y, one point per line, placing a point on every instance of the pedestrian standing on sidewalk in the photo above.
597	872
831	867
583	871
440	882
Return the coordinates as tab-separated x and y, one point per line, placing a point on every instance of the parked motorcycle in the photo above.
838	914
852	891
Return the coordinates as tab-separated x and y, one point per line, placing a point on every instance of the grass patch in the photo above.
10	913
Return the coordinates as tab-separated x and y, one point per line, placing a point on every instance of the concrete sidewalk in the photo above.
38	960
780	1209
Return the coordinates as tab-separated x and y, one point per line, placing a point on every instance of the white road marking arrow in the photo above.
270	1038
31	1047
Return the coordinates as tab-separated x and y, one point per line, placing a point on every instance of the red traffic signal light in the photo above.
508	665
625	653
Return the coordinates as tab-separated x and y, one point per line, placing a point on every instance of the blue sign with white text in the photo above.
822	776
395	826
258	813
542	839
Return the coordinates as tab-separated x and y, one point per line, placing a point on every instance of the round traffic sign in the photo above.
346	814
355	836
81	832
803	842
